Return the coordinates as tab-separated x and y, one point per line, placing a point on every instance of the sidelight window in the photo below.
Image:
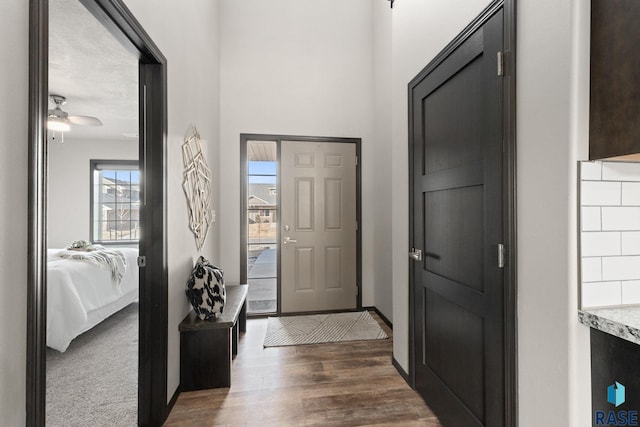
262	226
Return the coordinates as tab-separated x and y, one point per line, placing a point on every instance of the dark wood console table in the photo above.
207	347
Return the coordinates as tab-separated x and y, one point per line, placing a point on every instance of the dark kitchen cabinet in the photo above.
614	117
614	363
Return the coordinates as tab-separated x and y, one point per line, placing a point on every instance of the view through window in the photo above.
115	202
262	226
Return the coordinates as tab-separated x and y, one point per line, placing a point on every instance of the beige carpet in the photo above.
95	382
322	328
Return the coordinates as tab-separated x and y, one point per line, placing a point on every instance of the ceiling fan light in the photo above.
58	124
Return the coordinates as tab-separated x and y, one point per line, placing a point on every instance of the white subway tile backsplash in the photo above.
600	294
592	269
621	268
610	233
600	244
631	194
620	171
631	243
621	218
631	292
591	171
591	220
600	193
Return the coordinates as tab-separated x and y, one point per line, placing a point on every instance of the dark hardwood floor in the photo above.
346	384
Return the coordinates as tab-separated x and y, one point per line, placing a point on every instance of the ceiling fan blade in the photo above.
85	120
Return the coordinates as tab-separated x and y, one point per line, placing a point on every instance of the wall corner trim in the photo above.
382	316
173	400
401	371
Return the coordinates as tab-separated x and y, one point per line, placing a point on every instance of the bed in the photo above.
81	294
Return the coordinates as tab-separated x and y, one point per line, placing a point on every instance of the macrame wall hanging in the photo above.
198	187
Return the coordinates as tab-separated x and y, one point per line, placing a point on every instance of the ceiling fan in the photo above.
59	120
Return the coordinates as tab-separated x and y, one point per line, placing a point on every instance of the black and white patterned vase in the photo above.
205	290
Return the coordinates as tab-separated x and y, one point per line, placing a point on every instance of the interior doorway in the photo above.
152	131
93	197
300	240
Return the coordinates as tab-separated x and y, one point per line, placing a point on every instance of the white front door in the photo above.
318	226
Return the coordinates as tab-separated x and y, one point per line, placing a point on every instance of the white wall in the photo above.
14	87
381	141
69	185
544	212
552	135
295	68
553	354
187	34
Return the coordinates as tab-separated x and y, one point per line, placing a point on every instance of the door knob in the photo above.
415	254
289	240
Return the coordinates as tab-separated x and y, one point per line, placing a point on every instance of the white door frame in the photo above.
244	139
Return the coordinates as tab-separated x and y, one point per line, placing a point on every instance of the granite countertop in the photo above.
622	322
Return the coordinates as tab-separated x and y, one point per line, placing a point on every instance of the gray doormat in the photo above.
322	328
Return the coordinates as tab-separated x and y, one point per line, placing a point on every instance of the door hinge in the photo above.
500	64
501	255
142	261
356	160
357	225
357	290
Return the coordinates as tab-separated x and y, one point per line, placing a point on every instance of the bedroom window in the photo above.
115	201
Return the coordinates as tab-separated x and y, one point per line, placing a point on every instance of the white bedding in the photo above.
80	295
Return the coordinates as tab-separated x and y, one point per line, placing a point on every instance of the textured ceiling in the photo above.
96	74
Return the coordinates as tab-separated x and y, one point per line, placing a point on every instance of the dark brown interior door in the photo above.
456	141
